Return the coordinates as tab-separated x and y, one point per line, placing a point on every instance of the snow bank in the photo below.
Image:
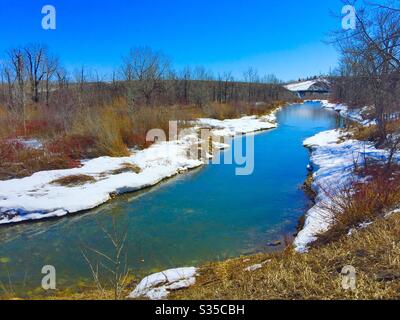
335	162
232	127
345	111
36	197
158	285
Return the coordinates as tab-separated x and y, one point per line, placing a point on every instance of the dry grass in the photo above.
307	186
371	132
127	167
393	126
374	252
106	126
74	180
362	202
364	133
4	127
228	111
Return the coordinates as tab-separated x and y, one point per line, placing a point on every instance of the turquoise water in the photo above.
207	214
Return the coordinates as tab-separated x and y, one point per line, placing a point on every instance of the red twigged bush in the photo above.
9	150
75	147
18	160
37	128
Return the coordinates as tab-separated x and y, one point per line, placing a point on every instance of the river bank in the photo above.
335	154
56	193
315	274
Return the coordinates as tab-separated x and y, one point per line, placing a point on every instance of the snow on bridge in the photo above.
311	86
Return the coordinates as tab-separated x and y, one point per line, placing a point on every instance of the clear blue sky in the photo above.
274	36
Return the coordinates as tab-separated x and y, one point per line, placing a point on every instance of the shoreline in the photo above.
334	154
37	198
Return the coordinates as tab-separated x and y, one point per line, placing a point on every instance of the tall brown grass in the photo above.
371	132
361	202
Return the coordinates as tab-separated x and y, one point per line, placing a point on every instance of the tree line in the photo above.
369	68
32	75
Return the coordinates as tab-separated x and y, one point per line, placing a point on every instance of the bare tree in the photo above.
17	74
35	56
250	77
199	90
370	64
146	70
50	70
185	84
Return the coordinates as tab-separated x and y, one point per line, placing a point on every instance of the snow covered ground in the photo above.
334	160
232	127
158	285
36	197
345	111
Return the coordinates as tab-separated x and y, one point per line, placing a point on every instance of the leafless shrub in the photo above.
348	206
110	270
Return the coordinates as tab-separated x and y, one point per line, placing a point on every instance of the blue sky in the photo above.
281	37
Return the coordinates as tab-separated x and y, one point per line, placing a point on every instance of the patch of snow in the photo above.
32	143
244	125
28	143
368	223
257	266
387	215
359	227
321	84
324	138
354	114
158	285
